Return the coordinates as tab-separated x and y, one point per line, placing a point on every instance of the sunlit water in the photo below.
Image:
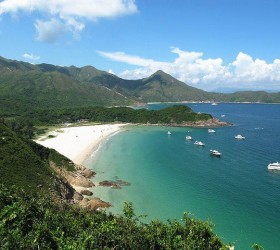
170	175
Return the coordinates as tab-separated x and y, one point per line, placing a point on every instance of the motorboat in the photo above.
199	143
240	137
215	153
222	115
211	130
274	166
188	137
214	104
169	133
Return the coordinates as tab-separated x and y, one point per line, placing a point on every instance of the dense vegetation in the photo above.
33	222
172	115
24	86
26	164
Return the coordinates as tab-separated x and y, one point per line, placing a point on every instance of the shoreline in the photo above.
209	102
77	143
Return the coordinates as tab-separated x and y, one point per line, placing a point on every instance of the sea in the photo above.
169	175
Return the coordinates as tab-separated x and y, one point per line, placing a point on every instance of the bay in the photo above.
170	175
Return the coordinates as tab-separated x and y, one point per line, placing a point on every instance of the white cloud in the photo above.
49	31
72	13
209	74
31	57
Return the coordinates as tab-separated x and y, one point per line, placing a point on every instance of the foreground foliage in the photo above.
30	222
26	164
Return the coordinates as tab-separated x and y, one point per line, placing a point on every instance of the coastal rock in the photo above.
77	196
74	178
88	173
80	167
214	122
123	183
109	184
210	123
86	192
114	184
80	181
94	204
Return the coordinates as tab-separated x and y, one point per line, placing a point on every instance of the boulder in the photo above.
88	173
109	184
86	192
94	204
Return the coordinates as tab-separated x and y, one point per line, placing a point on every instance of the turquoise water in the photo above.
170	175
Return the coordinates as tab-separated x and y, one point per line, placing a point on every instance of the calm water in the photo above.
170	175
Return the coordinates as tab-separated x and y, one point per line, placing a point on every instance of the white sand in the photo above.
76	143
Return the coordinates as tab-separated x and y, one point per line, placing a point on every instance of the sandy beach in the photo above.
77	143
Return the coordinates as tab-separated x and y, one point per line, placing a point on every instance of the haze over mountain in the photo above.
27	86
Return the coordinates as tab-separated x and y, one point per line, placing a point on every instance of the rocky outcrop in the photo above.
88	173
75	178
86	192
94	204
210	123
214	122
79	180
114	184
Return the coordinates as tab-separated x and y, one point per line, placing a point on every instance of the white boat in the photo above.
274	166
240	137
199	143
211	130
214	104
222	115
188	137
169	133
215	153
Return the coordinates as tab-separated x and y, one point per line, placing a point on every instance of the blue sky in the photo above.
209	44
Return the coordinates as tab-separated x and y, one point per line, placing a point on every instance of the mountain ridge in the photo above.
26	86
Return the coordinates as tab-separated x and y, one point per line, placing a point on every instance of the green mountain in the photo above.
248	96
159	87
24	86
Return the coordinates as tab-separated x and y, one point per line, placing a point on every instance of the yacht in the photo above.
214	104
199	143
239	137
211	130
169	133
188	137
215	153
274	166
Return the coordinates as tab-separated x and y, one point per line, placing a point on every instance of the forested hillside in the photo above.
25	86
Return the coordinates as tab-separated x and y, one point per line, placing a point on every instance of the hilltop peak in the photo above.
161	73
